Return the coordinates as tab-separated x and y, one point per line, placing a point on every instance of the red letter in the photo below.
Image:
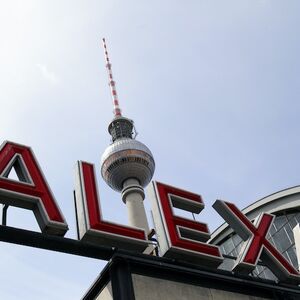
256	244
180	237
32	191
91	226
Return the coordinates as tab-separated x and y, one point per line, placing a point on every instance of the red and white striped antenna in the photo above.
112	84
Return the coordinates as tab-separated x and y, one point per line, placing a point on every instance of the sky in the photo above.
213	88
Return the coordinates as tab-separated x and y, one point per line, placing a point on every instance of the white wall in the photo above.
148	288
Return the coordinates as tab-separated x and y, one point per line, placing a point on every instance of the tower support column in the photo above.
133	196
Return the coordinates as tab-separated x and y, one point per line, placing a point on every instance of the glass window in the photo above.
228	246
233	253
280	221
281	240
290	216
272	229
297	216
239	246
293	257
269	274
293	222
255	272
236	239
260	269
289	232
222	249
227	264
262	275
286	256
271	241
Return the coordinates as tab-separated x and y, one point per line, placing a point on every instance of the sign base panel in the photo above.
147	278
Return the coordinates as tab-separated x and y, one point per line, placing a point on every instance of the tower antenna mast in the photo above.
112	84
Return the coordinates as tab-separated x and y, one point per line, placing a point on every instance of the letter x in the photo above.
256	246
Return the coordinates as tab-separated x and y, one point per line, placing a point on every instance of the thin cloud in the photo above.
47	74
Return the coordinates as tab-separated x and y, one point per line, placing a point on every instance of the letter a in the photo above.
31	191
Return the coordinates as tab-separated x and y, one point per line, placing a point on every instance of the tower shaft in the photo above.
133	196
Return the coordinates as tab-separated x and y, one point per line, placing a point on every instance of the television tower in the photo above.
127	165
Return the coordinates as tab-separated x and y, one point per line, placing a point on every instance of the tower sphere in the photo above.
127	158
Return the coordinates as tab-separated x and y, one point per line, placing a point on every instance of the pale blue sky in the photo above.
213	87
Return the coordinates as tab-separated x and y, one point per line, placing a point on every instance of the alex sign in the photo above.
178	237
